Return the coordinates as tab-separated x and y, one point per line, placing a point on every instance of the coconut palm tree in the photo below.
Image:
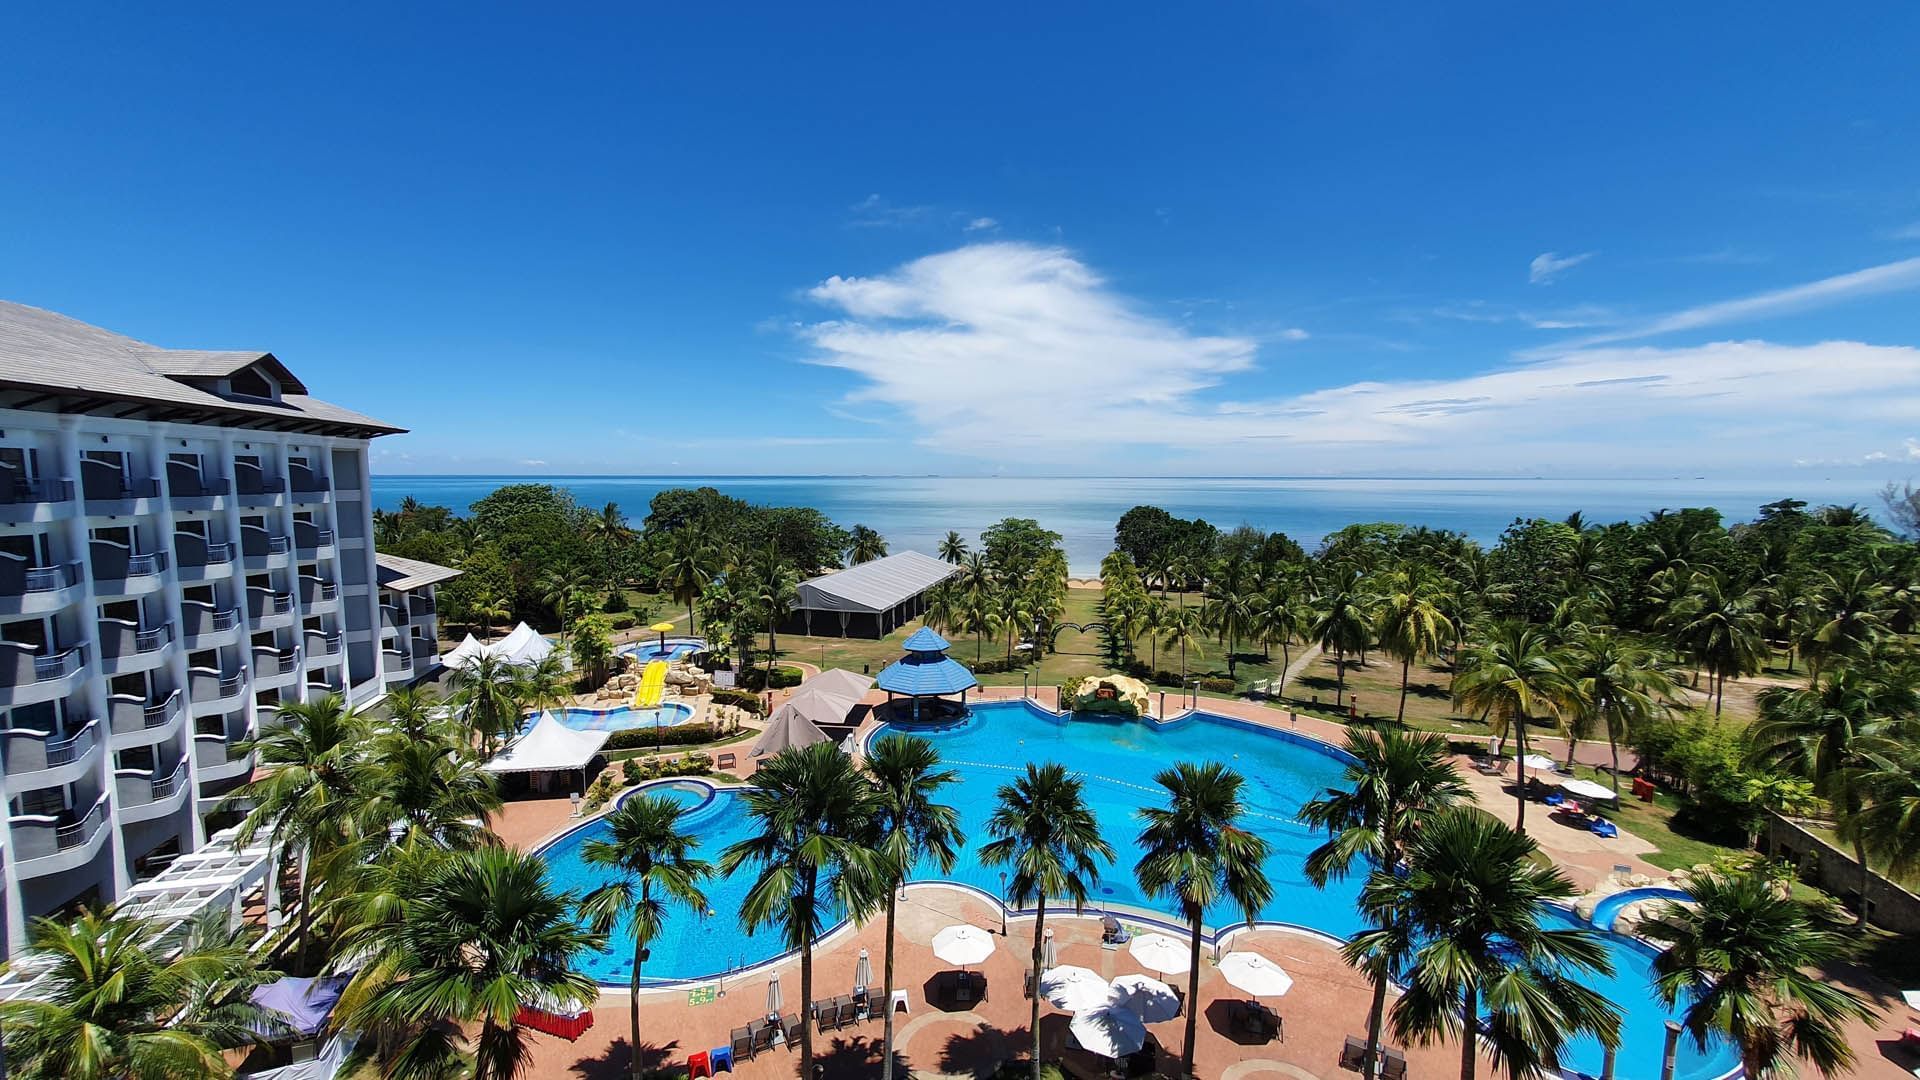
488	689
483	936
1887	824
491	609
953	548
429	786
305	791
609	530
1015	614
1153	626
1412	621
774	586
118	1001
1742	959
1719	626
1618	685
910	825
813	812
1283	617
1195	852
1397	781
690	567
979	616
1232	612
1466	916
1848	611
1513	677
653	864
1341	624
565	590
1183	627
1046	833
864	545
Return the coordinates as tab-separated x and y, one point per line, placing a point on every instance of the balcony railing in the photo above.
197	618
201	553
394	616
421	605
36	491
29	668
307	538
36	579
31	751
208	684
78	833
309	482
261	603
268	660
314	590
327	644
119	488
257	542
158	714
190	486
115	562
255	482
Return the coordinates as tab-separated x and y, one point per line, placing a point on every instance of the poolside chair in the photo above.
1555	799
1353	1053
726	761
849	1013
742	1042
1604	829
1393	1064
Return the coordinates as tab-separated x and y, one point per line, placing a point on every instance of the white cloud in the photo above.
981	224
876	212
1549	265
532	463
1294	333
1908	232
1887	277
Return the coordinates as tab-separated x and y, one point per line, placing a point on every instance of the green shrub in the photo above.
742	698
616	604
630	772
691	763
622	621
1219	685
644	738
783	677
600	791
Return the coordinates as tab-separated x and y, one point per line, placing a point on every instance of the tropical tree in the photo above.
1195	852
304	791
1848	611
1046	833
426	784
1617	686
609	530
1513	677
775	586
483	935
490	608
911	825
813	813
979	616
117	1000
1182	627
1482	969
487	689
864	545
1283	617
566	590
652	862
953	548
1341	624
1742	959
1720	627
1232	612
1397	781
1887	824
690	567
1413	624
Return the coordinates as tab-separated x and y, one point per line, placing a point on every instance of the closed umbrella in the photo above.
1158	952
963	945
1074	988
863	970
1049	952
1149	998
774	1001
1255	974
1112	1031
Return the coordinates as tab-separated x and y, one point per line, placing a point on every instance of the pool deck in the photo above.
1328	1001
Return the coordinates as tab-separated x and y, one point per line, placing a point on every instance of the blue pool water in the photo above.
675	648
622	717
1117	759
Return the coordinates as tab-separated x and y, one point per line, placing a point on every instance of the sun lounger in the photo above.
1555	799
1353	1053
1256	1020
1604	829
1393	1064
726	761
742	1042
790	1029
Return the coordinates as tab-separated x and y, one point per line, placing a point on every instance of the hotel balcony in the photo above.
269	610
274	668
109	493
42	759
396	665
28	677
26	501
144	797
322	645
120	571
258	489
324	685
213	692
318	594
219	758
421	606
196	560
188	490
45	844
309	488
126	648
204	626
261	550
310	541
394	618
139	723
36	590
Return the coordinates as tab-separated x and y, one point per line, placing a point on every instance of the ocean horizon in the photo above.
916	511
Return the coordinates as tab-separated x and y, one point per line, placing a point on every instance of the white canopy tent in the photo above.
549	746
524	647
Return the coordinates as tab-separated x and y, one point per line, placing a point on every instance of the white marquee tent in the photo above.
524	646
550	746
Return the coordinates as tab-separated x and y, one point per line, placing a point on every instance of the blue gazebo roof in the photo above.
926	640
925	674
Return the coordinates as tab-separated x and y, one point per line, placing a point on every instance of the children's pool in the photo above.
1117	759
622	717
675	648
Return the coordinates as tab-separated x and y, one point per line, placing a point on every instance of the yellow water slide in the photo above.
653	685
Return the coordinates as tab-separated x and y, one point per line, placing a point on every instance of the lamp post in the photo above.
1003	903
1673	1044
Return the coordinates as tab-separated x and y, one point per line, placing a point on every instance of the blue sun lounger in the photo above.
1604	829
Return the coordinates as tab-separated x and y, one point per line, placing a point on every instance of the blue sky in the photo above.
1252	239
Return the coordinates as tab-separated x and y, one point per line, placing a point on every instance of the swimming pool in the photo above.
1117	758
622	717
676	648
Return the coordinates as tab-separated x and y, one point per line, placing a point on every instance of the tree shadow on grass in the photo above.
616	1063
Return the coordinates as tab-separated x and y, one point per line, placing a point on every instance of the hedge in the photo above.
999	665
783	677
744	699
623	621
642	738
1220	685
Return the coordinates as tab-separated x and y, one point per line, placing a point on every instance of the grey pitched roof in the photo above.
876	585
405	575
45	351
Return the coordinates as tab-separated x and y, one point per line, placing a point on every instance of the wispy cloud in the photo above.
1885	278
981	224
1574	317
1293	333
1907	232
1549	265
875	212
1725	256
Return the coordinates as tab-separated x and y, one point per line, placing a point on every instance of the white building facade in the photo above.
186	541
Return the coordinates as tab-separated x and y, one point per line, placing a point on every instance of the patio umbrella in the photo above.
1158	952
1112	1031
1538	761
1049	952
1255	974
663	629
963	945
1149	998
1074	988
863	971
1587	789
774	1001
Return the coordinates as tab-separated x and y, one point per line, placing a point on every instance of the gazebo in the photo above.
926	671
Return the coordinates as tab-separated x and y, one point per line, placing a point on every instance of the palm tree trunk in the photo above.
1376	1018
1286	661
886	1065
806	994
1866	876
1193	998
692	627
1520	773
1340	672
1719	694
633	990
1406	667
1033	1020
1613	748
1470	1036
306	917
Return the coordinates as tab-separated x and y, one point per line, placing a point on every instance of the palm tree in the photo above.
1720	627
430	786
1849	610
1887	824
1232	613
1340	625
1182	627
813	810
911	826
491	609
864	545
1014	613
1514	676
775	586
953	549
1047	834
653	862
1282	618
1152	622
488	689
1412	623
116	1000
305	793
688	570
943	607
980	617
609	529
1195	852
1618	685
1466	917
483	936
1397	782
565	590
1743	959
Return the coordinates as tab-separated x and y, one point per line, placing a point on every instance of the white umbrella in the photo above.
1255	974
1538	761
963	945
774	1001
1074	988
1587	789
863	971
1150	998
1112	1031
1158	952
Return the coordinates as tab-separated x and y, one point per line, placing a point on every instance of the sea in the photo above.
915	512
